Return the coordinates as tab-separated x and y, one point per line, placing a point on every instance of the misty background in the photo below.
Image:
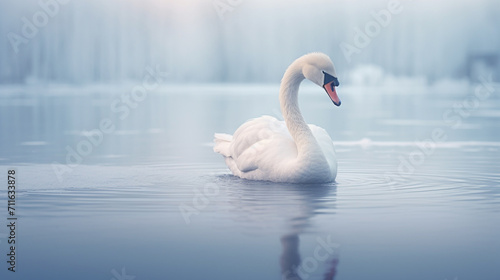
252	41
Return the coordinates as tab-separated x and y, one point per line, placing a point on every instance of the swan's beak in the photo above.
330	90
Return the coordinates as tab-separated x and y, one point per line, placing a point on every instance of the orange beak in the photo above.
332	93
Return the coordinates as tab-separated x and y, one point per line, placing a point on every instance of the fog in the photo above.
244	41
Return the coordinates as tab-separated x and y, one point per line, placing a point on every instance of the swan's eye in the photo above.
329	79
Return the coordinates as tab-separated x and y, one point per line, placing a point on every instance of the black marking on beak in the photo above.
329	78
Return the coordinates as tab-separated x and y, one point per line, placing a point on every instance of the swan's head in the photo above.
319	69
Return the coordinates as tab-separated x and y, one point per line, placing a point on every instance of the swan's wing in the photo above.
251	141
255	130
248	159
326	144
321	135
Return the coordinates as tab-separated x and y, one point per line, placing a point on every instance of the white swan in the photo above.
291	151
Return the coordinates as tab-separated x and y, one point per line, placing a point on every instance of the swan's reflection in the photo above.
292	265
259	204
291	261
290	257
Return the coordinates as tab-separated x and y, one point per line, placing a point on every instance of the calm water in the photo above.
394	212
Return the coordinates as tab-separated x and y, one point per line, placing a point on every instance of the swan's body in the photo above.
285	151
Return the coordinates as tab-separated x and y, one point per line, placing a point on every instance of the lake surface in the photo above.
151	200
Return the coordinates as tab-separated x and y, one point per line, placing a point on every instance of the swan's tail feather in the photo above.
222	142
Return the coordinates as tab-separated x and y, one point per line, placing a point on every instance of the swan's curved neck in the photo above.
298	128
